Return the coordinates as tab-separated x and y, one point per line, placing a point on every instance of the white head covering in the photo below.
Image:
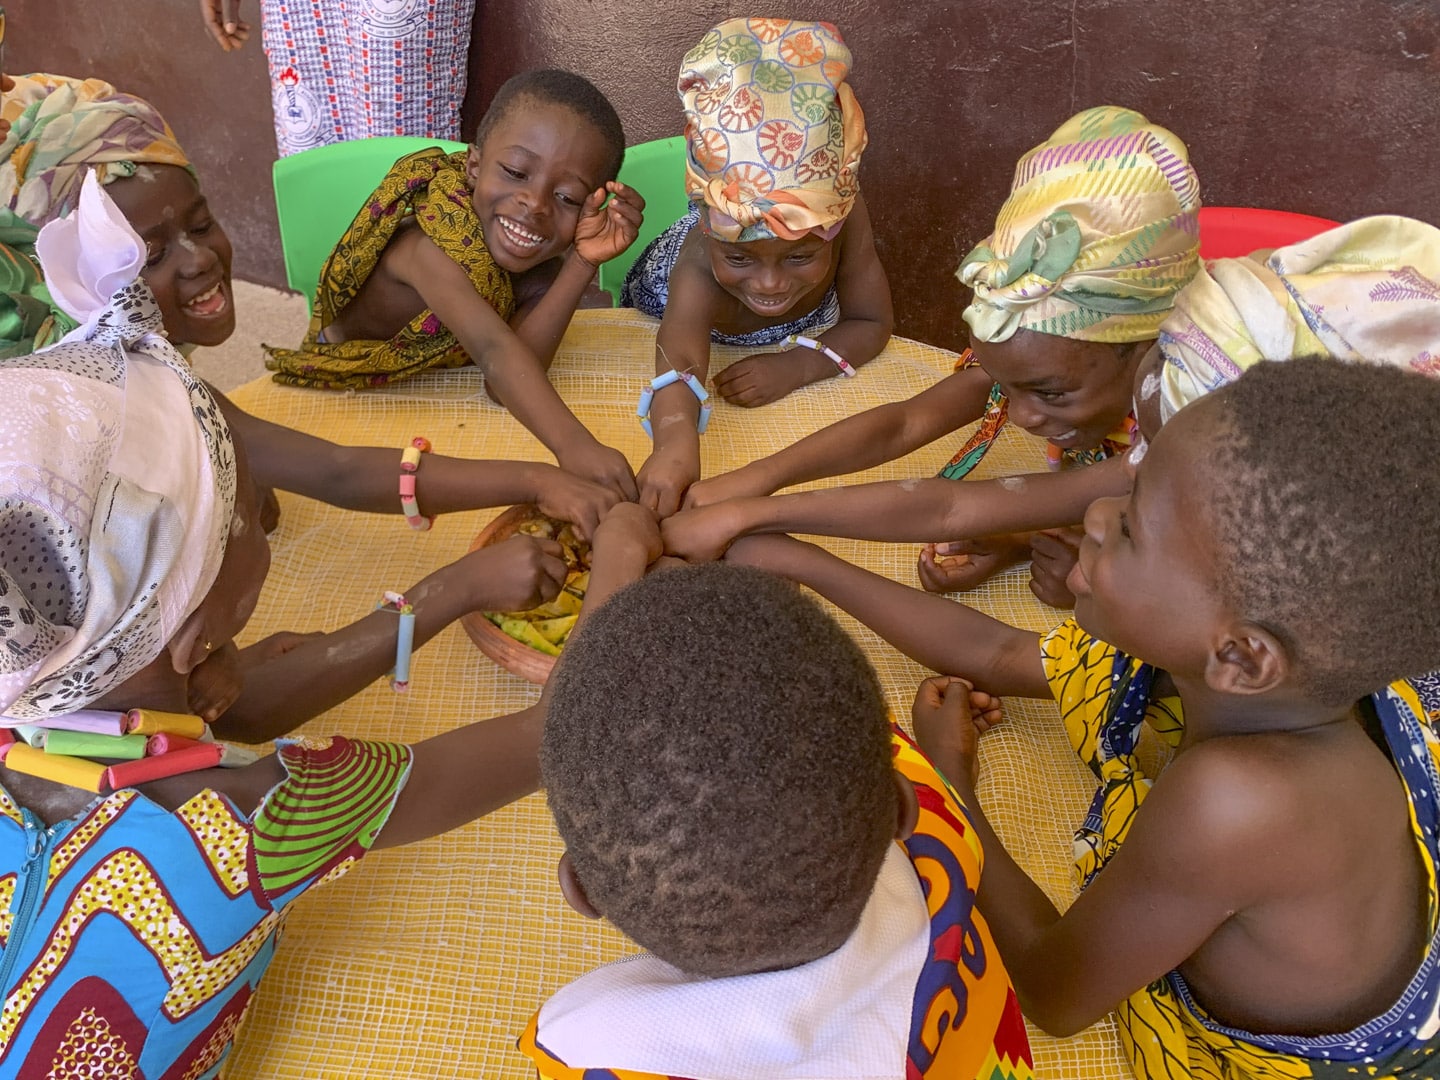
117	479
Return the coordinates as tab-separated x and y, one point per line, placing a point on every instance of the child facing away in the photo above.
732	796
1097	237
1265	907
777	246
482	256
140	920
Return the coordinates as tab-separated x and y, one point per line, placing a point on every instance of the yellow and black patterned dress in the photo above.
1105	697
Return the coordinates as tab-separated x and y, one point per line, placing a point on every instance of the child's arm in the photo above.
862	441
866	320
943	635
518	377
473	770
1187	865
682	344
928	510
367	477
602	232
322	671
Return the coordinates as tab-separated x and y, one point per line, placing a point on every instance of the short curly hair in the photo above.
1327	512
717	757
555	86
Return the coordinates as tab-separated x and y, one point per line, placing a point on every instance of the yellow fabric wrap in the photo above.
430	186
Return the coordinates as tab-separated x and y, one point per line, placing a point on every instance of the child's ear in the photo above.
1248	660
472	165
187	646
909	813
572	890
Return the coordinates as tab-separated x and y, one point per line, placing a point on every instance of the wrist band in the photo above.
810	343
404	639
642	410
409	466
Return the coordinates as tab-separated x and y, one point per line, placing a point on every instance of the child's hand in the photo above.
604	465
664	479
736	484
513	575
580	502
215	683
700	535
946	568
950	715
1053	555
602	232
222	19
767	377
628	527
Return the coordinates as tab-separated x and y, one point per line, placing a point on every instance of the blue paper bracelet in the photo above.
642	410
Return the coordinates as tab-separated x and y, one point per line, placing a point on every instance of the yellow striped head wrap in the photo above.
1098	235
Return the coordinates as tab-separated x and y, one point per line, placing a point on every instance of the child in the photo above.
800	876
1089	251
64	129
783	250
482	257
96	249
1275	877
139	922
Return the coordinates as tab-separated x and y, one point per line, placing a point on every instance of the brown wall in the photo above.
1319	106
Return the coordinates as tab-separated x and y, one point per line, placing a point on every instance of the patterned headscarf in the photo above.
1367	291
775	132
62	127
117	480
1098	235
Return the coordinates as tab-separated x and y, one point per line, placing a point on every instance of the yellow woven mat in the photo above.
429	960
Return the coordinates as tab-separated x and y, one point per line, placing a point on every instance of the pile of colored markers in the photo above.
107	751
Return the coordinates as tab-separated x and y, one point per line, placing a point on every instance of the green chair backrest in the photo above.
319	191
655	169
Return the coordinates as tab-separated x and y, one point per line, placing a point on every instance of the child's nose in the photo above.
1098	517
1025	412
196	258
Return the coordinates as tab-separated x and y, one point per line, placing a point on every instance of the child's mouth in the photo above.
210	303
768	306
518	236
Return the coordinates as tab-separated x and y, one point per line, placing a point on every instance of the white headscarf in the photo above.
117	479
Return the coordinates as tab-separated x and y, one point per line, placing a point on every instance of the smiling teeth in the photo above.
208	295
522	236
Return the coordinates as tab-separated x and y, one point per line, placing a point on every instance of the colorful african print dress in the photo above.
918	992
993	421
647	289
354	69
1105	697
430	186
134	937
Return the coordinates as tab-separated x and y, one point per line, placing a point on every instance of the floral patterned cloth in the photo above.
430	186
1367	291
774	129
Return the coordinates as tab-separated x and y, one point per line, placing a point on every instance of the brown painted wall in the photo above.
1313	105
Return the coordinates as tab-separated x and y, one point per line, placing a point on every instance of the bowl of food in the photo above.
526	643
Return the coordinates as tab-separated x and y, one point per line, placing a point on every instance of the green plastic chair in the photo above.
655	169
317	193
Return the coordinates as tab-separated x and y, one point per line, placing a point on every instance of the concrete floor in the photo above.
261	315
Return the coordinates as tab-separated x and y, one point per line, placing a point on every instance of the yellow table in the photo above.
427	961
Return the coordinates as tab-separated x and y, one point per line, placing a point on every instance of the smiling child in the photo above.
482	257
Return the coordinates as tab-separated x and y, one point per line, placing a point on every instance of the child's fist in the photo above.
569	498
629	527
950	715
513	575
700	535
